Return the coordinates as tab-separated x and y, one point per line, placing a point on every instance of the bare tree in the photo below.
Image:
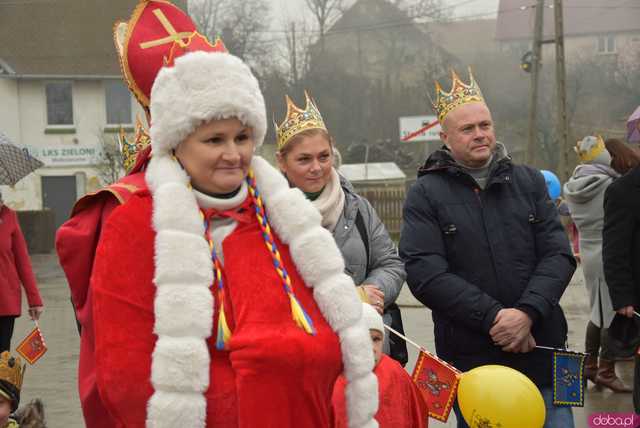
239	23
326	12
296	51
109	164
207	15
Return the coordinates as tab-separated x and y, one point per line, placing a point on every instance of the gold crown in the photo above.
593	151
130	150
11	369
460	94
298	120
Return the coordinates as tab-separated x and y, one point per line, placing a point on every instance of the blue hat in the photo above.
553	184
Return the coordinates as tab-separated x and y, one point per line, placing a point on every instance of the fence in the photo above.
388	202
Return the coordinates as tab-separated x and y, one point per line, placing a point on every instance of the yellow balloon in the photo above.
498	396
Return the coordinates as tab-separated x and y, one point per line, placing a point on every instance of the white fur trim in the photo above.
189	255
355	342
293	214
334	296
180	360
202	86
362	405
313	257
174	208
183	263
173	304
181	364
172	409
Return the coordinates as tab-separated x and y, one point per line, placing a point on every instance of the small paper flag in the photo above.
438	383
33	347
568	385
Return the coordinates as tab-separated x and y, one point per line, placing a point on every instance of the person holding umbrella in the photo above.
15	269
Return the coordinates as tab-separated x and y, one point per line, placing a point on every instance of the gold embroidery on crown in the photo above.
593	152
298	120
460	94
130	149
11	369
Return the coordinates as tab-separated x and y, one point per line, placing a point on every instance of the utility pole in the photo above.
294	55
535	78
561	87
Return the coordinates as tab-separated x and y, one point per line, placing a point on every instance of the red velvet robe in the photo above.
401	404
76	243
274	374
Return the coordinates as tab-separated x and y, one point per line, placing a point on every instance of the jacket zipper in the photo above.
478	191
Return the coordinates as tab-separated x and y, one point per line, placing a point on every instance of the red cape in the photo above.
400	402
76	243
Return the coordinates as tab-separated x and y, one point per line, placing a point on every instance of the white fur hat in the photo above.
199	87
372	318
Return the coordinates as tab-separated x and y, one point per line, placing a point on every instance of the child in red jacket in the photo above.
400	403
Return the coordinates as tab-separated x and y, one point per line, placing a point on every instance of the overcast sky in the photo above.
293	8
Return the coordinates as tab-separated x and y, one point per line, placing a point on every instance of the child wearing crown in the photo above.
11	375
218	300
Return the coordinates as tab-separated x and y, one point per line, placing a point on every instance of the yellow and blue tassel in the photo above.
300	316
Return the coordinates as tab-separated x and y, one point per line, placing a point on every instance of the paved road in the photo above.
53	378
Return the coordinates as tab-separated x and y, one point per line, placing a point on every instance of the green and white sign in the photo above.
67	155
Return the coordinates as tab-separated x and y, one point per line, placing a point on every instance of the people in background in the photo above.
584	193
16	273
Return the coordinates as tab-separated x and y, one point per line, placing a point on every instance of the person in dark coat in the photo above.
484	249
621	243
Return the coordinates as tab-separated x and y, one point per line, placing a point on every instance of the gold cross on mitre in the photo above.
173	36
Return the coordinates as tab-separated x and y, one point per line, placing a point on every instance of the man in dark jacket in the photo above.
621	251
485	251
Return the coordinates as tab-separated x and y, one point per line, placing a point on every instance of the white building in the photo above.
62	95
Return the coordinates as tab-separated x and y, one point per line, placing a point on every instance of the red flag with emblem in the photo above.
438	383
33	346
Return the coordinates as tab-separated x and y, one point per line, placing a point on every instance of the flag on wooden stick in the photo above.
436	380
32	347
568	382
438	383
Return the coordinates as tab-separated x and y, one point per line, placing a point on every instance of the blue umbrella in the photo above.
15	162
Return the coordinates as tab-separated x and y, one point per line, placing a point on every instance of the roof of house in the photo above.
461	37
368	15
581	17
61	37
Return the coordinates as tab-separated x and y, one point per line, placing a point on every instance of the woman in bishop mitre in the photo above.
219	299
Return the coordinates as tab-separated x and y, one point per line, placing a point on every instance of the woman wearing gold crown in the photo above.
218	298
306	157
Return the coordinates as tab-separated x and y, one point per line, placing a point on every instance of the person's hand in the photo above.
627	311
375	296
35	312
510	328
527	345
